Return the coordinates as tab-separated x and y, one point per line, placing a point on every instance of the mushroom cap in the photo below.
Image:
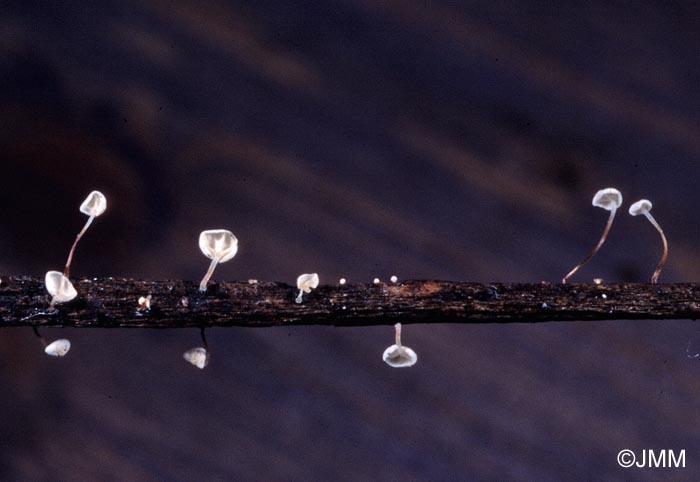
399	356
640	206
198	356
218	244
307	281
608	198
59	287
58	348
94	205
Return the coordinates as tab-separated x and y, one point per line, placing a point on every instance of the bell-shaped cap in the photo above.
640	207
59	287
399	356
307	281
58	347
94	205
218	244
608	198
198	356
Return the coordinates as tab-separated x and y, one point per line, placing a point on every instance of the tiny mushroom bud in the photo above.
342	281
58	347
198	356
94	205
394	279
219	245
609	199
643	206
59	287
305	283
145	302
376	281
399	356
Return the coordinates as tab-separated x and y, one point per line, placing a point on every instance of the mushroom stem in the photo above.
41	338
75	243
204	340
595	249
398	334
655	276
298	298
205	280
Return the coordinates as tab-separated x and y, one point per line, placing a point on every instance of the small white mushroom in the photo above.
305	283
342	281
643	206
219	245
198	356
94	205
609	199
59	287
399	356
376	281
58	347
394	279
145	302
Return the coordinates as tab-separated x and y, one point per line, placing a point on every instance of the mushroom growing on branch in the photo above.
643	206
59	287
305	283
94	205
399	356
609	199
58	348
198	356
219	245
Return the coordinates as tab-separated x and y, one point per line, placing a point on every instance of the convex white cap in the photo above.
58	347
307	281
218	244
608	198
197	356
640	207
59	287
399	356
94	205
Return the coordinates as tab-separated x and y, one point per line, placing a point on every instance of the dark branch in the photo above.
110	303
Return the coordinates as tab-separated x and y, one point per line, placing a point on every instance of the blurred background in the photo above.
436	139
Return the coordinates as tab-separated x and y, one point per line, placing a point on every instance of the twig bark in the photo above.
111	303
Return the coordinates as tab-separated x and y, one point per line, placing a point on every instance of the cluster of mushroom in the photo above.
610	199
220	245
58	284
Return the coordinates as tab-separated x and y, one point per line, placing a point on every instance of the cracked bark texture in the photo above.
113	302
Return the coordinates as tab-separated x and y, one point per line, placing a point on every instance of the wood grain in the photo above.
113	303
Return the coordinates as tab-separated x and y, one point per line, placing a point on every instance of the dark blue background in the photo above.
448	140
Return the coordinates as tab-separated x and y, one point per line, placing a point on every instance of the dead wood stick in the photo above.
112	303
